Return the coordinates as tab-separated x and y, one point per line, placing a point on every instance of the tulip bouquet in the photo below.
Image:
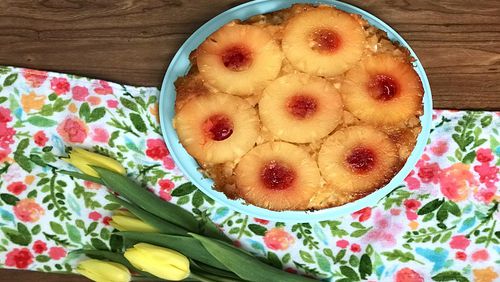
162	240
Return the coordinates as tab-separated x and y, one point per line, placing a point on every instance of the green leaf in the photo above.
96	114
430	206
188	246
42	258
111	206
359	232
365	266
40	121
450	276
73	233
197	200
183	200
21	236
354	261
349	272
184	189
57	228
469	158
244	265
37	160
9	199
98	244
129	104
46	110
485	121
306	257
274	260
84	111
442	213
116	243
36	229
323	262
340	255
147	201
257	229
105	234
446	237
3	99
9	80
453	208
60	104
399	255
23	162
138	122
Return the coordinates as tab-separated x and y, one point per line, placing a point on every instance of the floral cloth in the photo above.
441	224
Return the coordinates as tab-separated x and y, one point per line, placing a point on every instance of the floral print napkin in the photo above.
441	224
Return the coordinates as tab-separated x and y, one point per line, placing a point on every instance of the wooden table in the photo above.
133	41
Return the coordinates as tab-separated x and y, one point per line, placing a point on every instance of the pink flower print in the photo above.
408	275
80	93
412	182
484	155
112	104
168	163
455	181
59	85
19	258
100	134
481	255
166	184
57	253
27	210
102	88
439	147
6	136
95	216
487	174
486	195
4	153
342	243
5	115
429	173
385	229
411	215
34	78
459	242
73	130
92	185
278	239
40	138
165	195
355	248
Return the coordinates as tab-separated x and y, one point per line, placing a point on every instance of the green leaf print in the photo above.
57	228
40	121
486	121
138	122
9	80
430	206
184	189
365	266
400	256
84	111
9	199
450	276
129	104
334	228
257	229
323	262
274	260
96	114
469	157
21	236
349	272
306	257
73	233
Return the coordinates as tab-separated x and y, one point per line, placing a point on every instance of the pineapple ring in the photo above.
383	90
217	128
358	159
239	59
323	41
300	108
277	176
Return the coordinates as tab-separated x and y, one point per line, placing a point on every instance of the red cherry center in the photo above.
361	159
383	87
326	40
218	127
302	106
277	176
237	58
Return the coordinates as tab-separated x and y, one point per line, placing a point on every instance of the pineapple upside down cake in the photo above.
301	109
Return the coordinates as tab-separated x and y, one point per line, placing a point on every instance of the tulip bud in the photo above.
103	271
83	159
126	221
160	262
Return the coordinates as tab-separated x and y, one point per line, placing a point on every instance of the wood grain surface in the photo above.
132	42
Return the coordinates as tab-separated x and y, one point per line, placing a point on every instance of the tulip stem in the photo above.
201	278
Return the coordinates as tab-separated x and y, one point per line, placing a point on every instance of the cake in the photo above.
304	108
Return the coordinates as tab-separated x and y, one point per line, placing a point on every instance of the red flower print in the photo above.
168	163
481	255
487	174
16	188
95	216
112	104
411	215
157	150
165	195
408	275
106	220
461	256
355	248
342	244
364	214
92	185
73	130
59	85
80	93
261	221
439	148
3	154
412	182
486	195
28	210
57	253
278	239
35	78
100	134
166	184
429	173
237	244
459	242
291	270
412	204
455	182
102	88
6	136
5	115
484	155
40	138
39	247
19	258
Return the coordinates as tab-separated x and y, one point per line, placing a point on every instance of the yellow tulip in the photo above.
83	159
103	271
160	262
126	221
